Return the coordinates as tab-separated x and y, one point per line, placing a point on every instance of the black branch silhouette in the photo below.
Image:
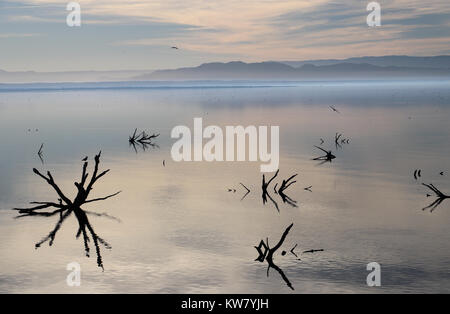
440	197
247	189
339	140
328	157
40	153
313	251
336	140
265	193
266	254
285	185
65	207
142	140
278	190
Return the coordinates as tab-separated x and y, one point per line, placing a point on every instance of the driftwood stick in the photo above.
102	198
248	190
53	185
440	197
51	236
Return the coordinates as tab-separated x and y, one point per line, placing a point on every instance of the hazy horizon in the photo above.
290	62
364	68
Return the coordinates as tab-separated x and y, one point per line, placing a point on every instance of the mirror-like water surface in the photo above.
182	231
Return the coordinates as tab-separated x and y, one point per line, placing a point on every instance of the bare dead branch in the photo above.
440	197
105	215
142	140
284	186
328	157
51	236
52	183
248	190
102	198
66	207
267	255
264	187
40	153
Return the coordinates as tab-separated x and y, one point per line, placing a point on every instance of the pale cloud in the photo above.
30	19
258	30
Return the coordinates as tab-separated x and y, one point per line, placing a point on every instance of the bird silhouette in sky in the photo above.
334	109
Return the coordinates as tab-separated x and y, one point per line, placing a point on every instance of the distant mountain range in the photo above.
437	62
387	67
305	70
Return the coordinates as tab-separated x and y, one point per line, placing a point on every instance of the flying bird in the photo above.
164	163
334	109
174	47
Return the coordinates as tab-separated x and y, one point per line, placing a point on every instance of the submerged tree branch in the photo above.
66	207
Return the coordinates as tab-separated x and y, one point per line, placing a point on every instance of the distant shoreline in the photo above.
212	84
362	68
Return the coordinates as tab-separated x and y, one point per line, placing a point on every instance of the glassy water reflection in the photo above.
183	228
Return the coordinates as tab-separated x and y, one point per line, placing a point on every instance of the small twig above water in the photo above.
440	197
40	153
325	158
339	140
248	191
142	140
313	251
285	185
265	193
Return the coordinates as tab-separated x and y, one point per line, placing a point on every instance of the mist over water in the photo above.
182	231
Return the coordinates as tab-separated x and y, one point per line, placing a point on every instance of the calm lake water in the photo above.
181	231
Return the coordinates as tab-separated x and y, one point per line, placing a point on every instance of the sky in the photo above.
139	34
